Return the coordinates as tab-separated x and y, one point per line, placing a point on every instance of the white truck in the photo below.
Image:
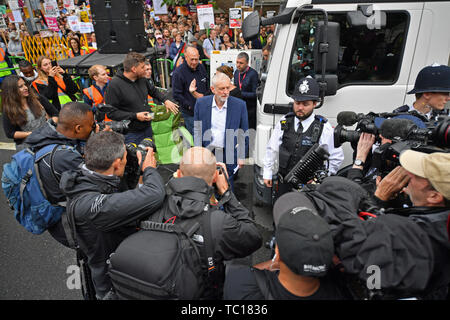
375	51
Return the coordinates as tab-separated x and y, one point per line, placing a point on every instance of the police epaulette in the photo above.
321	118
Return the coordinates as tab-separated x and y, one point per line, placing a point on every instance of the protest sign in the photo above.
205	14
73	22
159	7
235	18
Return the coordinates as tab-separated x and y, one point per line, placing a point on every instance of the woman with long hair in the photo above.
75	48
227	43
54	83
22	111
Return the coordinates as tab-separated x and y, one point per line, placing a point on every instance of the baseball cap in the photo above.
306	89
159	36
434	78
304	239
434	167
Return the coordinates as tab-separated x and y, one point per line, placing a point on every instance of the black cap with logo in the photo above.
304	239
306	89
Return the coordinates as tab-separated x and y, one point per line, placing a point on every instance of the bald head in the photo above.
198	162
192	57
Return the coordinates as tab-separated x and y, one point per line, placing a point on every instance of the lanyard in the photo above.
245	74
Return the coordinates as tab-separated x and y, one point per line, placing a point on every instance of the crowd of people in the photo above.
327	235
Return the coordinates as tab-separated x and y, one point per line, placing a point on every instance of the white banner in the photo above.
51	8
73	22
17	16
14	5
69	5
86	27
205	14
159	7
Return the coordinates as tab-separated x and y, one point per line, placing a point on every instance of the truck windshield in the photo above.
366	54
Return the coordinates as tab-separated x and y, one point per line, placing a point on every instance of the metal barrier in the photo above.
55	48
163	72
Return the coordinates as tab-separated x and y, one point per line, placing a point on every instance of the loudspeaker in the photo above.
117	9
120	36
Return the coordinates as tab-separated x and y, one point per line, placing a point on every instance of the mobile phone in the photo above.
54	63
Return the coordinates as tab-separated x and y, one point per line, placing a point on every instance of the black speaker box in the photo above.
117	9
120	36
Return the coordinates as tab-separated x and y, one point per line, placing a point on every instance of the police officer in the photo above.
432	90
297	132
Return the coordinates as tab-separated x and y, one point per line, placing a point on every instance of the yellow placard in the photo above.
84	16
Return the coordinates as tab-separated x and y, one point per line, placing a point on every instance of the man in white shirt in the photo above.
210	44
221	125
296	133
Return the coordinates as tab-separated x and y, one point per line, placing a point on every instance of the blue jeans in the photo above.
188	121
138	136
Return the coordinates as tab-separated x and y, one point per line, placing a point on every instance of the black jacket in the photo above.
50	91
128	98
411	249
234	233
104	216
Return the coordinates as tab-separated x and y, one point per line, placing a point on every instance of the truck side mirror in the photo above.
329	86
251	26
330	46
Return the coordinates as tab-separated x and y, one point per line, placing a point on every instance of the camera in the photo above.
116	126
133	167
132	148
369	123
432	138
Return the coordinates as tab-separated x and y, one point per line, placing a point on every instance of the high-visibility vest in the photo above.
83	51
62	96
3	64
96	96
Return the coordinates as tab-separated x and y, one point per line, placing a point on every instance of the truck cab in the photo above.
379	48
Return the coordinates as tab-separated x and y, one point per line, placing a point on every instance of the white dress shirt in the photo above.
218	122
326	140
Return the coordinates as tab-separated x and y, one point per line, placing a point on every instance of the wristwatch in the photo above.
358	162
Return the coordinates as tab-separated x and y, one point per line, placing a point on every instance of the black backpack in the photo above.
163	261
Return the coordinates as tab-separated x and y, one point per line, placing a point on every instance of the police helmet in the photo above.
434	78
306	89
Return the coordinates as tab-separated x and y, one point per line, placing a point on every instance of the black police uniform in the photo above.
435	78
296	143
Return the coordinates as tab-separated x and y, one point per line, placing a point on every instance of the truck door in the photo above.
374	60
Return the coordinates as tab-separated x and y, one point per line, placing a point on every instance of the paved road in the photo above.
34	267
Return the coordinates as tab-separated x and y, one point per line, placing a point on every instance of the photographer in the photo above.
410	245
54	83
75	125
427	183
103	216
234	233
